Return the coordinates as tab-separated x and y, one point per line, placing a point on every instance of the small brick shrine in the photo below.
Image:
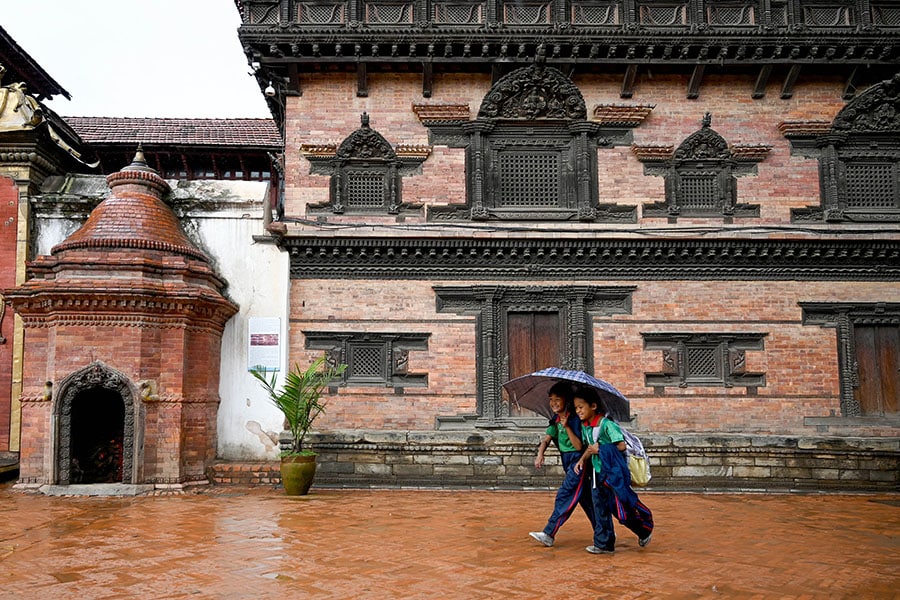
123	326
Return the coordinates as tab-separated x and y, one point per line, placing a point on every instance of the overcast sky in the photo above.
138	58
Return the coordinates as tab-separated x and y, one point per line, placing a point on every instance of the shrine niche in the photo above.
366	173
700	175
859	161
96	412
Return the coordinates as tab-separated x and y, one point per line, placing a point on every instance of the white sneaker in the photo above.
542	538
598	550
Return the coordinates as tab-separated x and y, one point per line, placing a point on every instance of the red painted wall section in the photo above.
9	201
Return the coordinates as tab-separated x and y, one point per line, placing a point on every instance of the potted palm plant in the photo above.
300	401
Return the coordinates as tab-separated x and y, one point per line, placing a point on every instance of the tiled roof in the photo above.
183	132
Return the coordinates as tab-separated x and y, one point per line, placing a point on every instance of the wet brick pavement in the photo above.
229	542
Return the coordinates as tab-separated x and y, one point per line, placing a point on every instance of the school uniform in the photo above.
611	486
574	489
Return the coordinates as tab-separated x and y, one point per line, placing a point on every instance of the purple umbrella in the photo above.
530	391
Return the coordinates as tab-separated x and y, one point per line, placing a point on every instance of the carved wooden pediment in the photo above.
534	92
365	143
877	110
705	144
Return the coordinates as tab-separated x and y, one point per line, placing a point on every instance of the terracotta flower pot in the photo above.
297	473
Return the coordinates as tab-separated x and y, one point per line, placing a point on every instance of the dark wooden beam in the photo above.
362	80
497	71
294	88
628	81
852	82
427	79
694	84
787	90
759	88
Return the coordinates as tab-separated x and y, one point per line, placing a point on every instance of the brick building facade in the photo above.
673	197
696	204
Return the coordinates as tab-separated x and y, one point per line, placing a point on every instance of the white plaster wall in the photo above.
258	281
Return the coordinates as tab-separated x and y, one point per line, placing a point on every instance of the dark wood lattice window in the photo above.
663	14
731	14
716	359
529	179
873	185
700	177
596	13
380	359
321	13
366	174
859	160
458	13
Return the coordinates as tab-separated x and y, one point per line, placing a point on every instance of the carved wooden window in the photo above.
380	359
886	14
663	14
321	12
458	12
596	13
365	174
828	14
859	161
527	13
388	12
708	359
731	14
868	353
700	178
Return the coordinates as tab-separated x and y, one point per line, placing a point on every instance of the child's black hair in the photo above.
590	395
563	389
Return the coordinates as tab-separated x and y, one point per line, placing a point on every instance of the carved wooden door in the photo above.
878	360
533	343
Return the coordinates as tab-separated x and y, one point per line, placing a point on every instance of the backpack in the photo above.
638	461
636	457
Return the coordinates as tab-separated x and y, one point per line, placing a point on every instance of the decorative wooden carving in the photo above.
534	92
700	175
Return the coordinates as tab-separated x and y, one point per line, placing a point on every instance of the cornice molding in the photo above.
591	259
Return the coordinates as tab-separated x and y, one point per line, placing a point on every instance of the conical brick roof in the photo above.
133	216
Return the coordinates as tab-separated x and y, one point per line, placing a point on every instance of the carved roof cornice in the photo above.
582	259
316	45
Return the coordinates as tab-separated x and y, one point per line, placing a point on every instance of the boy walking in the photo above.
564	431
611	480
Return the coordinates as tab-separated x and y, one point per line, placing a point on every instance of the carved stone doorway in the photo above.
95	419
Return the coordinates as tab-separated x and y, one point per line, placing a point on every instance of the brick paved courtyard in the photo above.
237	542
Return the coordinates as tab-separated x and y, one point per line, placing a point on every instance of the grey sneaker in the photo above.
542	538
598	550
644	541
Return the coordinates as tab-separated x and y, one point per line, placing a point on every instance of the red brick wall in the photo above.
800	362
329	111
9	210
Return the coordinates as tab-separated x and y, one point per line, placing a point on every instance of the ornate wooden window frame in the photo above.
703	155
365	153
726	350
576	305
842	316
535	107
865	132
392	350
